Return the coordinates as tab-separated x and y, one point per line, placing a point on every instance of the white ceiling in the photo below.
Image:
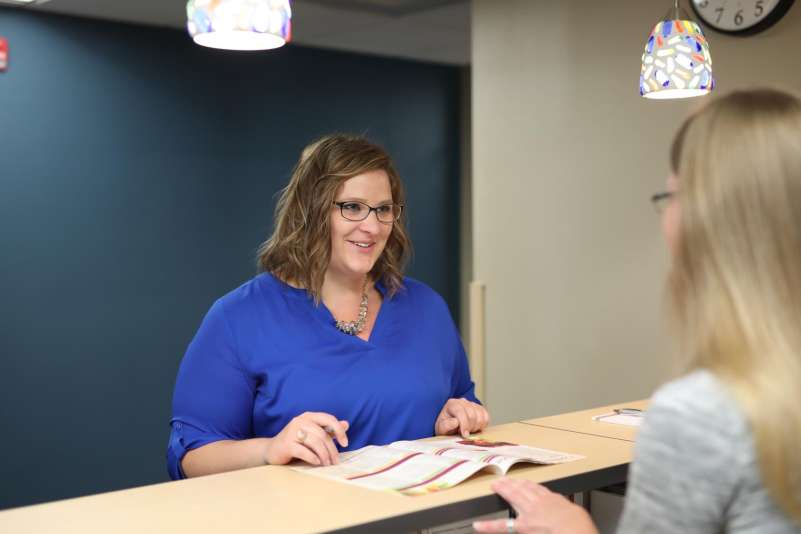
428	30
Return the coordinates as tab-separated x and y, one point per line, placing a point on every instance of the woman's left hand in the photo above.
538	510
461	416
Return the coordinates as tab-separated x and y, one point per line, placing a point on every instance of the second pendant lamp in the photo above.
676	62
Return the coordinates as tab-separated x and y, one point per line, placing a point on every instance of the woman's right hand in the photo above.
308	437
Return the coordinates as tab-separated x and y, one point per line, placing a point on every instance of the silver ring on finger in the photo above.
510	526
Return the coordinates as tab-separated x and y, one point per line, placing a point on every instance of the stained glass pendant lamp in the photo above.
676	62
239	24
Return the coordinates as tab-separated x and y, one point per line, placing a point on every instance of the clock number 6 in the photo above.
738	18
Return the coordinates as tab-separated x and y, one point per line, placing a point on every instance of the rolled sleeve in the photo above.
184	438
214	394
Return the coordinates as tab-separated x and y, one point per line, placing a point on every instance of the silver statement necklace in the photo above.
355	327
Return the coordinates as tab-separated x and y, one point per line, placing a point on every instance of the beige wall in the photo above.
565	157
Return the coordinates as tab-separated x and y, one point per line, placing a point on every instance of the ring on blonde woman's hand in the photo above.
510	526
302	436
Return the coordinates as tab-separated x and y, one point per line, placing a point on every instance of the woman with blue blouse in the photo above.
331	344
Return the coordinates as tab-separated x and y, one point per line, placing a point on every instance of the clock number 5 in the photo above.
759	8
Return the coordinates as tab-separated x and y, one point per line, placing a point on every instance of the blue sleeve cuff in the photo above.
471	395
184	438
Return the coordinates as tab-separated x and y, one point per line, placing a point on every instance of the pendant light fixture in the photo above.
676	62
239	24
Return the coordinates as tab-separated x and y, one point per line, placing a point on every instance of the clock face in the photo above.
742	17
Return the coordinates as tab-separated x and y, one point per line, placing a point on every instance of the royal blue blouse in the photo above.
265	353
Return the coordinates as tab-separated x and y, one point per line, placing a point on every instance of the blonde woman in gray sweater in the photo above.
720	447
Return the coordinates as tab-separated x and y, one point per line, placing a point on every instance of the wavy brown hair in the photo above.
299	250
735	283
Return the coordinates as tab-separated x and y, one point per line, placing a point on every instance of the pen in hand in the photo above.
636	412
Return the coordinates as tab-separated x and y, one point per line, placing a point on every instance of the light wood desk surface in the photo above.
276	499
582	422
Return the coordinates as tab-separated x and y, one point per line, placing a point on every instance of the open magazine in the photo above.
419	467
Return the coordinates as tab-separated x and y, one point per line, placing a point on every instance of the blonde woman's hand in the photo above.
539	510
308	437
460	416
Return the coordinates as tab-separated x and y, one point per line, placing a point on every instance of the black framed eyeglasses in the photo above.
354	210
661	200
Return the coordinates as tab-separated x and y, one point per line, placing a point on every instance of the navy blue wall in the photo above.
138	175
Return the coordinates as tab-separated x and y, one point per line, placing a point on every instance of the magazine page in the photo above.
419	467
498	453
403	471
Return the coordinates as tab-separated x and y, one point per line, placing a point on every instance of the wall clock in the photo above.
740	17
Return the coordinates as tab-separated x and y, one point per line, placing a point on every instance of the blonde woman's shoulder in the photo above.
695	469
698	395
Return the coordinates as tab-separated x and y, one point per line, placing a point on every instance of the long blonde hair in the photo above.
299	249
735	283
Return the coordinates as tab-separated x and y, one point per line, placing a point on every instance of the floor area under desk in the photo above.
605	510
465	526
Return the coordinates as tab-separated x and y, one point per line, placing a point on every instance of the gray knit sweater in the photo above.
695	469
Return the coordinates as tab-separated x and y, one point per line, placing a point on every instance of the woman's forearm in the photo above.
228	455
